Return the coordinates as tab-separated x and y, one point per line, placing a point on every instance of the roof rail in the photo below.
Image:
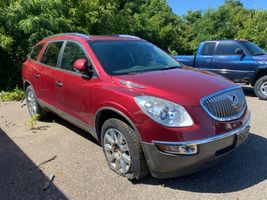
74	34
125	35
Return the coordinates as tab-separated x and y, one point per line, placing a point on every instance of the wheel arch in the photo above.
260	72
106	113
26	84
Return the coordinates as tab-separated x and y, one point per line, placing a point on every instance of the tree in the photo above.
229	21
24	22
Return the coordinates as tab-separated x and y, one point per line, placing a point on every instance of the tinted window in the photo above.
227	48
208	49
35	52
71	53
50	55
124	57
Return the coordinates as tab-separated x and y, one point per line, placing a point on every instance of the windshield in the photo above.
125	57
253	48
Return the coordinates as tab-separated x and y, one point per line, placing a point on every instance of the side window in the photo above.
72	52
50	55
35	51
208	49
227	48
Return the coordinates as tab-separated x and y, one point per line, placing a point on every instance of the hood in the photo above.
185	86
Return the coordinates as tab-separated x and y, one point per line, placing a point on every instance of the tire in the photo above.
33	106
130	162
260	88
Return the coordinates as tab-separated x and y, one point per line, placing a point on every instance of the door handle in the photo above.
59	83
37	75
215	60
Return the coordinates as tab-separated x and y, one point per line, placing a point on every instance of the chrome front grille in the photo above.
225	105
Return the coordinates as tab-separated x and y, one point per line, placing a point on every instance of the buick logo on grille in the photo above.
235	101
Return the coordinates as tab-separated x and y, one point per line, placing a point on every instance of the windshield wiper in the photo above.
172	67
136	72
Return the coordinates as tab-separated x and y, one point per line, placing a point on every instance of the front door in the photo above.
228	62
73	92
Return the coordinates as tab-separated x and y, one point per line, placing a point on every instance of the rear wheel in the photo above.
122	149
260	88
33	107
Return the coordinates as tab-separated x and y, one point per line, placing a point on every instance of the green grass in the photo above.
14	95
31	122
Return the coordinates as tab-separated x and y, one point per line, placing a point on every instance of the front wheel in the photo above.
122	149
260	88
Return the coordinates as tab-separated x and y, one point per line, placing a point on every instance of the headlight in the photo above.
164	112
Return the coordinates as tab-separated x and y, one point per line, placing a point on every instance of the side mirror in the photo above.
240	52
81	65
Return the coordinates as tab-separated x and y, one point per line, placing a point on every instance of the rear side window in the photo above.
208	49
71	53
227	48
50	55
35	51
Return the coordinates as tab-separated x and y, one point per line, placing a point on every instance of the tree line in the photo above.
25	22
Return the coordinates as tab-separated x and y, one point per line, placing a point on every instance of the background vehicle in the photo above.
148	113
239	60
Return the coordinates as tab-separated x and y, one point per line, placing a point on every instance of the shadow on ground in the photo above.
54	118
245	167
20	178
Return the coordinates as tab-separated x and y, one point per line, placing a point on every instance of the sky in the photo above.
180	7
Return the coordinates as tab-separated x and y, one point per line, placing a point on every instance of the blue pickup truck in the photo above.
239	60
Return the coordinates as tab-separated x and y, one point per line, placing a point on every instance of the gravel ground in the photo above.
81	171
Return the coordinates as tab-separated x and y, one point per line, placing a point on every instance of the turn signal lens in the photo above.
189	149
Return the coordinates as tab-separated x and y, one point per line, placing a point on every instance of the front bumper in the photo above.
210	151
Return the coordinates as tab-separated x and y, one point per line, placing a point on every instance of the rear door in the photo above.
229	63
32	68
204	57
48	70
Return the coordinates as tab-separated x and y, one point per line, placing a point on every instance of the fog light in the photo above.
184	149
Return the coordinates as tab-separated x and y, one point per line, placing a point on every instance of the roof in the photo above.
93	37
224	40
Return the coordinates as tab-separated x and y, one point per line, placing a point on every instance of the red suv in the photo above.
149	113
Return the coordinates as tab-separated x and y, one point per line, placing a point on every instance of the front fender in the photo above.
120	111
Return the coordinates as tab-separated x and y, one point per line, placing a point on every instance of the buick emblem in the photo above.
235	101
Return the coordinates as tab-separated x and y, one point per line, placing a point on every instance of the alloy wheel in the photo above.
117	151
31	102
263	88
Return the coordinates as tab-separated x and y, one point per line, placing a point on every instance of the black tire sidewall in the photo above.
128	134
39	110
257	88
